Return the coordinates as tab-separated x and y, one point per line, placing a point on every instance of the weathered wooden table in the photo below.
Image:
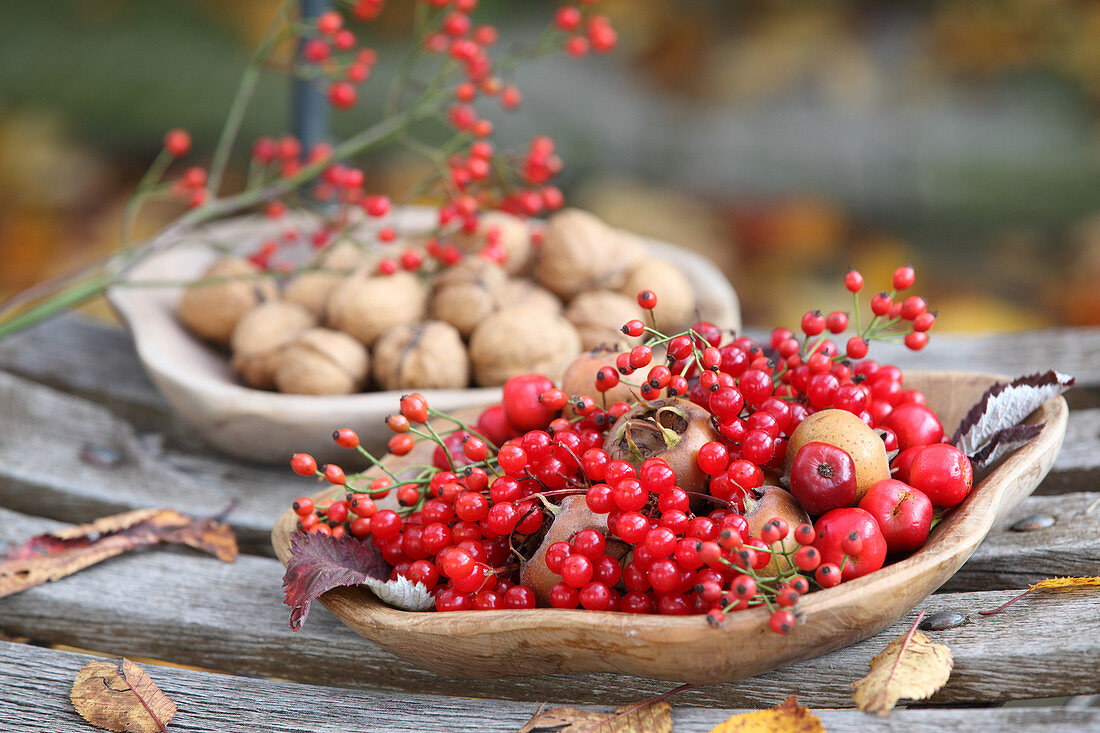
83	434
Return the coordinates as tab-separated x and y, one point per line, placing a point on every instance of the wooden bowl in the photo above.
256	425
687	649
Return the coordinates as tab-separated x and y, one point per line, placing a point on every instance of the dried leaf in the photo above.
787	717
402	593
1048	584
911	666
1005	405
319	563
121	700
1051	583
654	717
56	555
1004	442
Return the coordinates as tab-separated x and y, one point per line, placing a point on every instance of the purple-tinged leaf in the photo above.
1004	442
319	563
1005	405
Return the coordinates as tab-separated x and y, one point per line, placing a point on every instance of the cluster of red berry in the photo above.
676	517
469	173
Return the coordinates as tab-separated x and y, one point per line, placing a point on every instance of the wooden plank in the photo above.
35	683
192	609
45	436
1012	559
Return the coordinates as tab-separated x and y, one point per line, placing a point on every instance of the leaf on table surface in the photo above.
401	593
786	717
655	717
911	666
1048	584
1005	405
58	554
121	698
319	563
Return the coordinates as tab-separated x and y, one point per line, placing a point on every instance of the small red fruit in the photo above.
944	473
823	477
833	529
914	425
904	514
521	402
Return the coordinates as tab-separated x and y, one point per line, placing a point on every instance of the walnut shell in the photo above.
466	294
427	355
518	340
321	361
580	253
311	290
211	310
676	305
527	292
513	235
259	337
365	306
344	256
599	317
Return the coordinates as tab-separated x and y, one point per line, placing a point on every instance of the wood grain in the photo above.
194	610
213	703
682	649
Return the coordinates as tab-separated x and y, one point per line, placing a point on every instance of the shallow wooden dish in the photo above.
530	642
256	425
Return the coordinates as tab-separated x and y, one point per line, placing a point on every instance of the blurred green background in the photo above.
788	141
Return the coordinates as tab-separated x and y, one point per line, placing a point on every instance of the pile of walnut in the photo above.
348	328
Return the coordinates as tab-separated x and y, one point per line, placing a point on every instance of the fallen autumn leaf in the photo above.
911	666
123	699
655	717
1048	584
787	717
59	554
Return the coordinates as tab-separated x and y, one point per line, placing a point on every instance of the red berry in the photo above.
346	438
916	340
836	322
781	622
177	142
568	18
813	323
904	277
342	94
647	299
633	328
333	474
303	464
881	304
521	402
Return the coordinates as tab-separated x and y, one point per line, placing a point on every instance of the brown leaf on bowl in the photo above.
121	698
59	554
654	717
911	666
319	563
786	717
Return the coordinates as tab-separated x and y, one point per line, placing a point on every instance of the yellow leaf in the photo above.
652	718
1064	583
121	700
911	666
787	717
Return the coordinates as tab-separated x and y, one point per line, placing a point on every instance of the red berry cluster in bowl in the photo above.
657	490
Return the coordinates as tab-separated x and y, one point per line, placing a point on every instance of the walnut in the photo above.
427	355
599	317
259	337
467	293
519	339
321	361
365	305
510	231
313	289
675	309
524	291
580	253
210	310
